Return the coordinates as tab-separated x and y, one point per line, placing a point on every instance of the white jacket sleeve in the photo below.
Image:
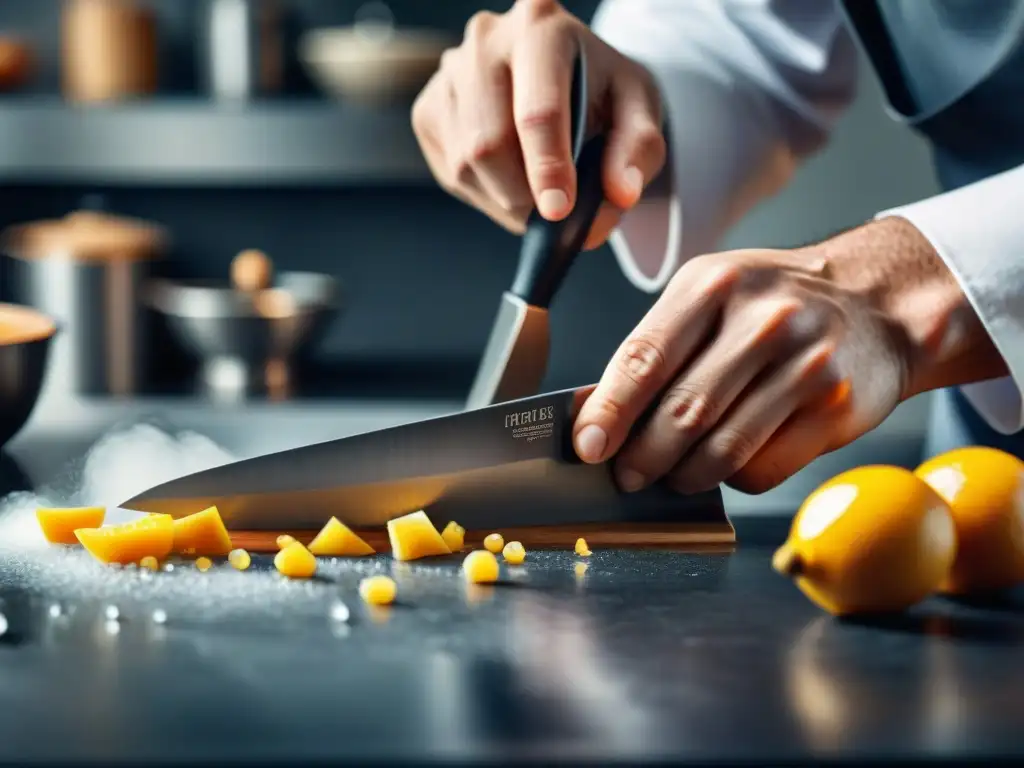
978	231
750	88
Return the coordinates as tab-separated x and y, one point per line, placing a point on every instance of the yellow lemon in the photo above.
875	539
984	490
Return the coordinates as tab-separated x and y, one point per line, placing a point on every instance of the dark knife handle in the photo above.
549	248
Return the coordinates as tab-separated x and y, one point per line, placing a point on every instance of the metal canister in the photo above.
244	48
88	270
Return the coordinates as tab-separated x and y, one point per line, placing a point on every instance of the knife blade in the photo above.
515	358
510	464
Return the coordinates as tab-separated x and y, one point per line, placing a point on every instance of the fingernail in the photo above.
630	480
590	442
552	202
634	180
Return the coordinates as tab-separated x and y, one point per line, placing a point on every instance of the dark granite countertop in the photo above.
645	656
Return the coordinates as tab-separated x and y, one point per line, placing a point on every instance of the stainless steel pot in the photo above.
88	271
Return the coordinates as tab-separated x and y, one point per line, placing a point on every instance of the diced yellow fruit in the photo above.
514	553
149	562
295	562
204	564
130	542
480	567
337	540
413	536
59	524
582	549
454	536
202	534
284	540
378	590
239	559
494	543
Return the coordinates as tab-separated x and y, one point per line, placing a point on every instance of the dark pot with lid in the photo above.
88	270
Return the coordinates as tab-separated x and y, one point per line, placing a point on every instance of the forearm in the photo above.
897	267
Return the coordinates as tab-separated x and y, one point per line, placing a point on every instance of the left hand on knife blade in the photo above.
752	363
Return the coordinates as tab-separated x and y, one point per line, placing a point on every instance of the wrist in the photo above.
895	268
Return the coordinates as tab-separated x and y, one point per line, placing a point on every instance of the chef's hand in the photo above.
493	122
755	362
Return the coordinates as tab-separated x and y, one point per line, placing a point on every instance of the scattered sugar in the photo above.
120	465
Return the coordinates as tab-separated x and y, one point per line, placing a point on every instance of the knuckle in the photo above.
421	114
449	60
730	449
641	361
479	25
538	9
539	117
690	407
712	272
549	171
651	143
486	145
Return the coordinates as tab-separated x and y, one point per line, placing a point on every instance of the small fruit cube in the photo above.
204	564
295	562
337	540
149	562
514	553
284	540
239	559
494	543
454	536
59	524
378	590
413	536
582	549
130	542
202	534
480	567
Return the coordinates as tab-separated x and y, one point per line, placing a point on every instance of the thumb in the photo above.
636	146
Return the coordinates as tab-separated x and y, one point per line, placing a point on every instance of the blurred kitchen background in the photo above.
230	125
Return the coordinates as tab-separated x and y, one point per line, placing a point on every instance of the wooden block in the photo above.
683	537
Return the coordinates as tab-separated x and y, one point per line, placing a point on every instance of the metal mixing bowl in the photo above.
25	337
248	343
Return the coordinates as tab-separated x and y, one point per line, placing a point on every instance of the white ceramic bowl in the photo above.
349	63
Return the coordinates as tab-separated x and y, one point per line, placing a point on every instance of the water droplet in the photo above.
159	616
339	612
168	567
112	612
56	611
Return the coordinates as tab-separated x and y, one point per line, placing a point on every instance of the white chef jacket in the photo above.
768	79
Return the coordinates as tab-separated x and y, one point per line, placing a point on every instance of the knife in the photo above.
515	358
505	465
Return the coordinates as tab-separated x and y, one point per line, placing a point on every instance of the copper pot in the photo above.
109	50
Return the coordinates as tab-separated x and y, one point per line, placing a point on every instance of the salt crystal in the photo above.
168	567
339	612
159	616
55	611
